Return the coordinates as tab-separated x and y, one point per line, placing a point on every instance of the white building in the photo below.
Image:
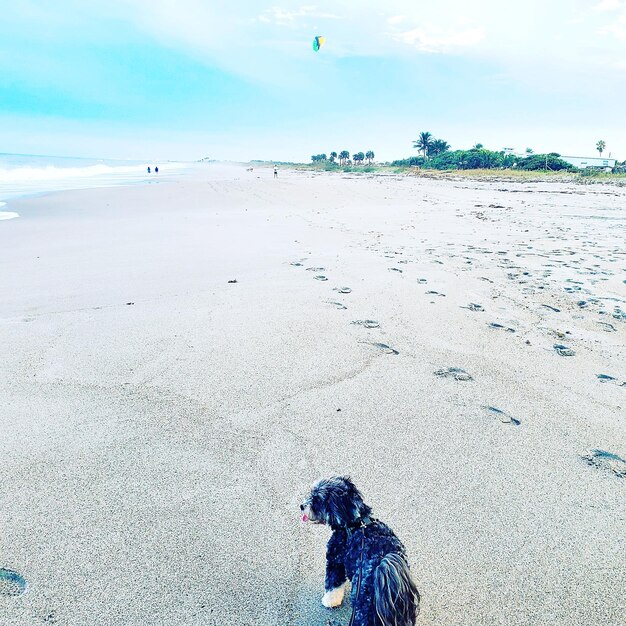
584	162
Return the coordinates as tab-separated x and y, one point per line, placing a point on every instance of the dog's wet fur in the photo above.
361	545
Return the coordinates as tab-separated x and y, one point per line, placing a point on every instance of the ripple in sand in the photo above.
367	323
343	289
11	583
551	308
337	305
383	347
453	372
607	461
562	350
321	277
503	416
500	327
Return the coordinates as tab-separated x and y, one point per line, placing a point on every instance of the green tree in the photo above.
369	155
438	146
333	156
344	155
600	146
477	146
551	161
414	161
423	142
358	157
529	151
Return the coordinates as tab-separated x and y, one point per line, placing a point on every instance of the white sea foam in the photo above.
22	175
51	173
7	215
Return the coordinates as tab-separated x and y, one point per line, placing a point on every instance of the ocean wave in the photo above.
7	215
29	174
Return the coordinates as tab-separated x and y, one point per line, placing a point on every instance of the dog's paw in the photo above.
333	598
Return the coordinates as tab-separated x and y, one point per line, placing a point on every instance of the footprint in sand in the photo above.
11	583
504	417
607	327
453	372
422	281
605	378
562	350
315	269
320	277
619	314
474	306
383	347
551	308
343	289
296	264
500	327
395	269
337	305
367	323
436	293
606	461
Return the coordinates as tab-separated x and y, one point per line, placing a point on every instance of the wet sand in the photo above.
463	361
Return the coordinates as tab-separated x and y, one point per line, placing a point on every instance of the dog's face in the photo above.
334	501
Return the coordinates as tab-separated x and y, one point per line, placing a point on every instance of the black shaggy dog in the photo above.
367	552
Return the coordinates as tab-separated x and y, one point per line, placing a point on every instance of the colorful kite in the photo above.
318	42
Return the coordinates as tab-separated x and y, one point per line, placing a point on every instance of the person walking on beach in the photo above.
275	172
148	169
156	169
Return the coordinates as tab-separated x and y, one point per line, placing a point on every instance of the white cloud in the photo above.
617	28
284	17
555	42
433	39
609	5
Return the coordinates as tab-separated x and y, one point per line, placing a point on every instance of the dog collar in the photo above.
361	522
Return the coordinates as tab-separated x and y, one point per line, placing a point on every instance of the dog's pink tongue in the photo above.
305	517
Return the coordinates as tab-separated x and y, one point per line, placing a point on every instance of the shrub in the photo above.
551	161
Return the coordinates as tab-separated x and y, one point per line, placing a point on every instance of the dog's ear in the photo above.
344	502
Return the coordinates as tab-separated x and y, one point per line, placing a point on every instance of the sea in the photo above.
26	174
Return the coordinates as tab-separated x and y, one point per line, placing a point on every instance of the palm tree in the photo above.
344	155
477	146
333	156
423	142
438	146
600	146
358	157
529	151
369	155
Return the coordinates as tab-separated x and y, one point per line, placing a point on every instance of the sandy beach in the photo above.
180	360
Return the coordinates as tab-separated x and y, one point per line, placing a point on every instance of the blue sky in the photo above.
183	79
